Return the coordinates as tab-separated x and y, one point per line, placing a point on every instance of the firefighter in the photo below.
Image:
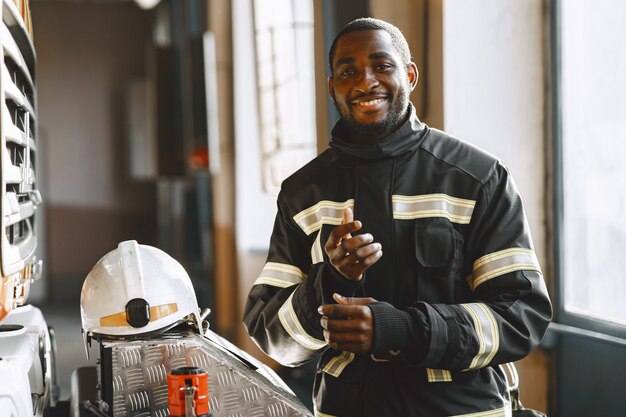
401	256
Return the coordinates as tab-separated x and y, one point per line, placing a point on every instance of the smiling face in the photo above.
370	84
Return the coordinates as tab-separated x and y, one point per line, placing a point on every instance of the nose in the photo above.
368	81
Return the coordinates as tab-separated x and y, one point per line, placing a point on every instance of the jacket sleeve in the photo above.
281	310
510	311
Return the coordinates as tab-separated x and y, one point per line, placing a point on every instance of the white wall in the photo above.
494	96
494	90
255	209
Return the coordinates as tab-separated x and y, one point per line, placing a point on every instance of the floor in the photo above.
65	320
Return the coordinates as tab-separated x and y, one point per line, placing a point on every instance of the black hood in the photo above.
403	141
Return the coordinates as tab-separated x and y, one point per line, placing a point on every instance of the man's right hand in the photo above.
351	256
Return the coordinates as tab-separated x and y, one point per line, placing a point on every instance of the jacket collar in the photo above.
404	140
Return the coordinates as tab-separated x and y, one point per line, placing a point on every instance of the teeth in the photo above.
371	102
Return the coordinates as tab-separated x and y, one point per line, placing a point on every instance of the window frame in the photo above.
561	315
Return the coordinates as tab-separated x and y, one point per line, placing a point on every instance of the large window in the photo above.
591	152
286	86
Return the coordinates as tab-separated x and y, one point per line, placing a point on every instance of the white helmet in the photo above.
133	290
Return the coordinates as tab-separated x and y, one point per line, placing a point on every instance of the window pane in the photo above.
285	74
593	69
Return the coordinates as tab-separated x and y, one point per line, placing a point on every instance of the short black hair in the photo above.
369	23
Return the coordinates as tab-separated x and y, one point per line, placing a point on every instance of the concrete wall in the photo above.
420	22
86	52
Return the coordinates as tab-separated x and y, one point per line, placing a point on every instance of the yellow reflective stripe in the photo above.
486	329
438	375
324	212
457	210
498	412
114	320
337	364
291	324
502	262
163	310
320	414
316	250
156	313
280	275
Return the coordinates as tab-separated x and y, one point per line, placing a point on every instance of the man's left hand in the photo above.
349	325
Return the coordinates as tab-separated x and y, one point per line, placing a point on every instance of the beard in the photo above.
394	118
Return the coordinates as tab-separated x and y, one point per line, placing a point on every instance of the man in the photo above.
401	255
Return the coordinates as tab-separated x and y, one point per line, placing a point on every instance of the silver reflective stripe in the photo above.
498	412
316	250
486	329
324	212
291	324
280	275
337	364
502	262
457	210
438	375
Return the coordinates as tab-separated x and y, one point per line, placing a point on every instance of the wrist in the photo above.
392	329
334	282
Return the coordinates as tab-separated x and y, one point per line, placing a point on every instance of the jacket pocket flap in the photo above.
434	242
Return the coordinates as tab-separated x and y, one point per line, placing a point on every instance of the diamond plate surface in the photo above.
236	389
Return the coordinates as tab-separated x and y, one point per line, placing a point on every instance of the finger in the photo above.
340	232
345	257
348	216
353	266
366	251
345	338
329	310
344	261
355	301
352	250
343	230
356	242
349	311
349	342
335	326
370	259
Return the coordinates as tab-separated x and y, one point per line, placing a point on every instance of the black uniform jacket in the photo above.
459	286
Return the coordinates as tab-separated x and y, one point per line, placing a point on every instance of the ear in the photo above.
331	91
413	74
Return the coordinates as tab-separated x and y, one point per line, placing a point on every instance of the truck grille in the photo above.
18	128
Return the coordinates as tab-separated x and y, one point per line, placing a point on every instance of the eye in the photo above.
346	72
384	67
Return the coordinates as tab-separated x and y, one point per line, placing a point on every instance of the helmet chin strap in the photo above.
86	341
197	318
198	322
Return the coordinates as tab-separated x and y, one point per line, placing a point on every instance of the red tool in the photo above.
188	392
